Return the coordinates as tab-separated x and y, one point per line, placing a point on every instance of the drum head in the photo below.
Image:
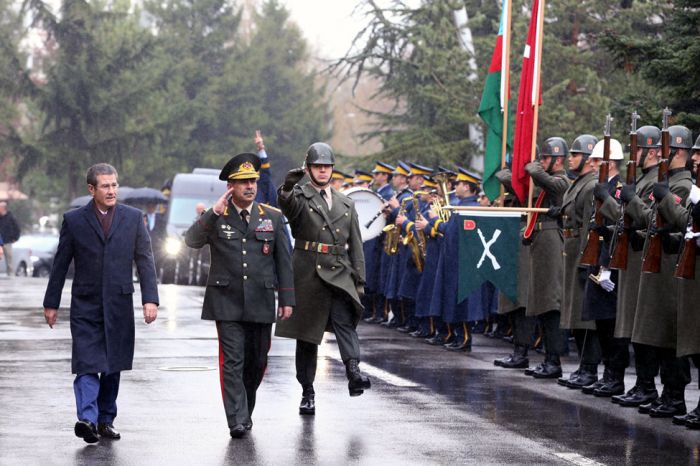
368	205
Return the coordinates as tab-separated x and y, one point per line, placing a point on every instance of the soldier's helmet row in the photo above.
584	144
648	137
680	137
554	147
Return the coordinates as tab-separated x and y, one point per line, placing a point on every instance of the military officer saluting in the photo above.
328	266
251	259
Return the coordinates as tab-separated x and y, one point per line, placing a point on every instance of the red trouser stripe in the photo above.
221	362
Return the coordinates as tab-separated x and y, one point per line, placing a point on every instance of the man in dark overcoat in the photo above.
104	239
251	259
329	271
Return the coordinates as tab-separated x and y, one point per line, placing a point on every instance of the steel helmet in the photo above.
320	153
555	147
584	144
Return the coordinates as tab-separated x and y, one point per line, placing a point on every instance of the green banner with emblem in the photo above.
488	251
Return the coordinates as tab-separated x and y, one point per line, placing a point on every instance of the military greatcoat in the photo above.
577	209
628	288
545	252
657	302
319	273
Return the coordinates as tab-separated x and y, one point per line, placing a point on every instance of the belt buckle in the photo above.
323	248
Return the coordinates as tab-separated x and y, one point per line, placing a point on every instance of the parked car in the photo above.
42	249
21	258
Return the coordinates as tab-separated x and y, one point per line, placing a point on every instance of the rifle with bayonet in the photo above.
685	268
591	253
651	263
620	248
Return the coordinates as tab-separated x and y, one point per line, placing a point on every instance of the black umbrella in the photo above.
79	202
144	196
123	192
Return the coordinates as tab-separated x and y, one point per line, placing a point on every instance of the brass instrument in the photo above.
441	179
393	232
417	242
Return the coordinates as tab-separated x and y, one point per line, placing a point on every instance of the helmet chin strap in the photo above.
315	181
643	157
550	167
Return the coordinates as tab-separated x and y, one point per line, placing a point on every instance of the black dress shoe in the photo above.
459	347
515	361
406	329
681	419
564	381
548	370
693	422
308	402
108	431
237	431
87	431
637	396
248	425
612	388
672	407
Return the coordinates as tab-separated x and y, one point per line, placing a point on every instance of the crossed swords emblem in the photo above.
487	249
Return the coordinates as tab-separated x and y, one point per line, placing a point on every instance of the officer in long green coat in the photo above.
329	271
251	259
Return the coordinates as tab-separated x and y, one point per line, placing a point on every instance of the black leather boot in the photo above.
564	381
517	360
692	420
639	395
357	383
551	369
646	407
531	370
673	406
613	385
308	401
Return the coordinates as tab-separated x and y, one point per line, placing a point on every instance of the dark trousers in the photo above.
646	364
96	397
588	347
341	321
675	372
523	327
614	351
243	348
551	333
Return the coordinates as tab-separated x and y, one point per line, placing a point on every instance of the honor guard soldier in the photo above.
544	242
328	266
657	303
522	324
576	212
637	200
600	294
251	259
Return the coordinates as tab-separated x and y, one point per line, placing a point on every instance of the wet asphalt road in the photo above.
426	406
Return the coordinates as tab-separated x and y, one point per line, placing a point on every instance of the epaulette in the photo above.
268	206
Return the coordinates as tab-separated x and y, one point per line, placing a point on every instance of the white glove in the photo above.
694	195
605	282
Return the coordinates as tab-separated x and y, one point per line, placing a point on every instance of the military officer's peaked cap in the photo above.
441	169
362	176
402	168
382	167
338	175
428	182
465	175
417	169
244	166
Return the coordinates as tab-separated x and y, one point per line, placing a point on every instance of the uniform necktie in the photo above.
244	217
324	195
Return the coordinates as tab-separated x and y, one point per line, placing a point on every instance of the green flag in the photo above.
488	251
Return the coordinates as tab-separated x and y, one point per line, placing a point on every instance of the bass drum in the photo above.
368	205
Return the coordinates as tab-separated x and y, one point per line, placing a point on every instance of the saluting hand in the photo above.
284	312
220	205
51	315
150	312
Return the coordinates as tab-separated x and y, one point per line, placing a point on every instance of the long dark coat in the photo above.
318	275
248	264
687	315
657	302
629	278
545	288
102	307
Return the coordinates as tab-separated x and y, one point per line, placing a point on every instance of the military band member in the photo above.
328	266
362	179
337	179
577	210
657	303
250	260
545	245
637	200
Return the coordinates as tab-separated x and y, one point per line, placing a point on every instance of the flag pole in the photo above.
536	96
505	89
